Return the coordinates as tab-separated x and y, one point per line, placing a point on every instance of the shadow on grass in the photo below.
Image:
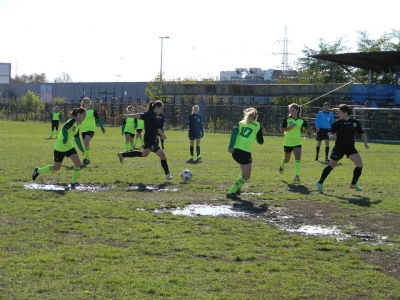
357	200
298	188
248	206
194	162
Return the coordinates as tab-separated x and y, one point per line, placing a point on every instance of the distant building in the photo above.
251	74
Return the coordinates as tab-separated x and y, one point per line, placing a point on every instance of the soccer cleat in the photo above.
168	176
86	161
50	138
35	173
233	196
281	169
296	178
191	158
238	192
199	158
316	158
327	160
121	158
356	187
74	185
319	186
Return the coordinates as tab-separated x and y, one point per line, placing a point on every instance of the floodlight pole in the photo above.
162	40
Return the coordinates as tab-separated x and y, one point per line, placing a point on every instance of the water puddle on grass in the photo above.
276	218
62	188
150	188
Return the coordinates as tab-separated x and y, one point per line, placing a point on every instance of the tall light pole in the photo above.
162	40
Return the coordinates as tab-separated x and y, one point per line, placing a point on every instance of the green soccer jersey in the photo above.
89	123
129	125
246	135
139	124
293	136
55	116
72	129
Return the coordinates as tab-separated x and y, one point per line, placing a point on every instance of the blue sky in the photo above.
96	40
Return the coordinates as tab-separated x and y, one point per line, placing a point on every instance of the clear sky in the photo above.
96	40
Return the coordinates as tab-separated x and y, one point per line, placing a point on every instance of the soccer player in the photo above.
195	123
65	148
139	126
88	127
151	130
291	127
323	122
345	130
55	120
240	145
128	128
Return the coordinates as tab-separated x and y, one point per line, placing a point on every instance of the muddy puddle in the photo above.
277	218
50	187
150	188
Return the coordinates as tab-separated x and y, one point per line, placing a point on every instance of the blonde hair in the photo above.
86	99
195	106
250	114
130	106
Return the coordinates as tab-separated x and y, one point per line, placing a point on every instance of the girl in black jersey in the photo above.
151	131
195	123
345	130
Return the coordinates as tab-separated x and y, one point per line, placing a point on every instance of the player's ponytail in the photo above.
250	114
154	104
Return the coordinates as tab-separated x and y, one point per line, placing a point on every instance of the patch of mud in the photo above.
59	188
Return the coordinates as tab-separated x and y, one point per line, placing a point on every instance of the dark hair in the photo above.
345	108
327	103
77	111
154	104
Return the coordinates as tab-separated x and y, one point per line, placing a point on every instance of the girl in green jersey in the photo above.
128	129
240	145
64	147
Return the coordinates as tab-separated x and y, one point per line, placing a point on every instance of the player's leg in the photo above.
297	157
356	158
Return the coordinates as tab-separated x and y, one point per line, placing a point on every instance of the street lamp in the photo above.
162	39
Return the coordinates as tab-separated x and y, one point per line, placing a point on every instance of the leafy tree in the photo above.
63	77
31	103
313	70
154	88
32	78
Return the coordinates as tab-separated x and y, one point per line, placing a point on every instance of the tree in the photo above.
32	78
313	70
63	77
31	103
154	88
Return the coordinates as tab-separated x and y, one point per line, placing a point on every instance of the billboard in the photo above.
5	72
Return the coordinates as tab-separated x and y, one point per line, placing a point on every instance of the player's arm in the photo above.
232	140
284	127
260	137
135	115
161	134
78	142
123	126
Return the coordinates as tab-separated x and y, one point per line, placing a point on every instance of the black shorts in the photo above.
194	136
139	130
89	133
242	157
290	149
54	124
152	145
339	151
322	134
131	134
59	156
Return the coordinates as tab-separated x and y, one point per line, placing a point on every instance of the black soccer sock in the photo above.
356	174
132	154
191	150
164	165
326	152
325	173
198	150
317	150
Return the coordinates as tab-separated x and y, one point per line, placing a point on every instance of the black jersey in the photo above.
162	121
151	125
346	131
195	122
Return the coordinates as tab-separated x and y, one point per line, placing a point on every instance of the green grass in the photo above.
111	245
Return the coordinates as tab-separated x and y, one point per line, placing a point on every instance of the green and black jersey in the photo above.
243	136
64	140
293	136
128	125
56	116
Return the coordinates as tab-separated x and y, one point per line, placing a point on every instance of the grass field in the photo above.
111	244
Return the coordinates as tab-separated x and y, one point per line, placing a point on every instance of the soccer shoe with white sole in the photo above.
356	187
320	186
281	169
121	158
74	185
35	173
296	178
168	176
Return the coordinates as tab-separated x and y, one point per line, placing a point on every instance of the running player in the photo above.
88	127
323	122
139	126
128	129
55	120
345	130
195	123
291	127
151	130
64	147
240	145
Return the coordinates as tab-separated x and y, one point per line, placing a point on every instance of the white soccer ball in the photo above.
186	175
